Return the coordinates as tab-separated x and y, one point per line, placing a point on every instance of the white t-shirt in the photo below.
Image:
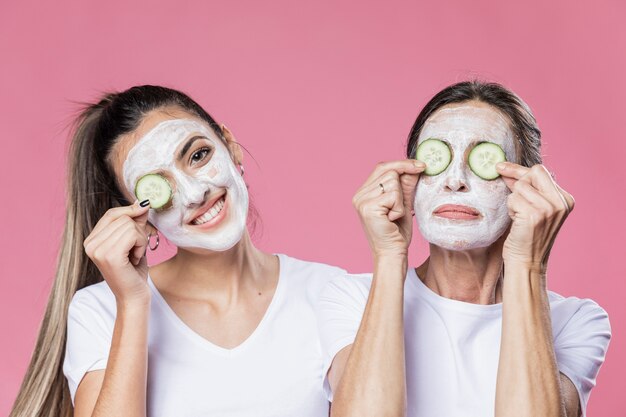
277	371
452	347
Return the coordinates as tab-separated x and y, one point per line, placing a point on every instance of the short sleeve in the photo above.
339	312
581	346
89	333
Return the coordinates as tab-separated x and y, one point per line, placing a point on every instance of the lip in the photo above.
215	220
204	208
456	211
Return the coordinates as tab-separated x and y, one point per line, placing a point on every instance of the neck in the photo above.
209	273
473	276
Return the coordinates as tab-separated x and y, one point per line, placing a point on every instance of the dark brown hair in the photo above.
522	122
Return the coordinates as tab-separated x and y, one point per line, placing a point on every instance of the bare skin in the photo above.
222	296
368	377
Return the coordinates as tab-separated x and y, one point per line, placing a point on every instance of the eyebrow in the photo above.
188	145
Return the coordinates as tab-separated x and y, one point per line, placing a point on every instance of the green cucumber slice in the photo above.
154	187
483	158
435	154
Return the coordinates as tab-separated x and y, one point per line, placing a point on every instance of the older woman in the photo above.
473	331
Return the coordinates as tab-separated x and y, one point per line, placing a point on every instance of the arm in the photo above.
117	246
368	377
121	388
528	381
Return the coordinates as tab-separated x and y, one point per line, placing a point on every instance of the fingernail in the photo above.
419	164
501	165
144	203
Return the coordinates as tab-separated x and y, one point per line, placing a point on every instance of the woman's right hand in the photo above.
386	212
117	246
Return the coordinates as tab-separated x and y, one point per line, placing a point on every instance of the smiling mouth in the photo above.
210	213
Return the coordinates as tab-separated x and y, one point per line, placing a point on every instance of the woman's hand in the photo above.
385	206
117	245
538	207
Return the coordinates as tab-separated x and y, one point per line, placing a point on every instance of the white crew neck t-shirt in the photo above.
277	371
452	347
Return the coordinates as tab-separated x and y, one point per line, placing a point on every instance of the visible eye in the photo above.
199	155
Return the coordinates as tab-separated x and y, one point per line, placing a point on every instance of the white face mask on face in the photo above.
463	127
157	152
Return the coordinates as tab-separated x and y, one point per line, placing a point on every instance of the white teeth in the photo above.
211	213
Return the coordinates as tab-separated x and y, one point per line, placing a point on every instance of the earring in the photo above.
153	248
241	169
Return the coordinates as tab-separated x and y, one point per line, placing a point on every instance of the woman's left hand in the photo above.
538	207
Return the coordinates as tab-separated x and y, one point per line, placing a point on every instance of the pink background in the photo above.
318	92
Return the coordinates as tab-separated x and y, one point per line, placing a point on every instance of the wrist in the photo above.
390	255
137	302
534	267
391	265
523	278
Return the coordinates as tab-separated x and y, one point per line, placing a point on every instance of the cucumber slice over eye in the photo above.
154	187
436	154
483	158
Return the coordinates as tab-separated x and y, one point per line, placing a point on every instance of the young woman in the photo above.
473	331
221	328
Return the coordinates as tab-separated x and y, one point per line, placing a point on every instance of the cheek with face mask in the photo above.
209	205
457	187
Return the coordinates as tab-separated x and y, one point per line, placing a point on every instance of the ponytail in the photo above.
44	390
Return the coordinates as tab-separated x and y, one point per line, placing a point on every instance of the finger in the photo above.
511	170
535	198
106	234
110	251
510	182
113	214
123	241
542	180
403	166
408	184
389	180
142	219
518	206
394	202
139	250
567	197
388	203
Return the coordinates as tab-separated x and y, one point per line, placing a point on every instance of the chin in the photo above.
459	245
462	240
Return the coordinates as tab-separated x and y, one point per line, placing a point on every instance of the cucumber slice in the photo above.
436	154
483	158
156	188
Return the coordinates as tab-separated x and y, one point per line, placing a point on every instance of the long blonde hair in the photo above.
92	190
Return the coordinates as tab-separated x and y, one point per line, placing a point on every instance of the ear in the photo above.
233	145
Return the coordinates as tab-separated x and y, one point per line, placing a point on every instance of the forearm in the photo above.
373	382
124	386
528	381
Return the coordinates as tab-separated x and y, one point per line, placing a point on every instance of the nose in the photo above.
190	191
456	178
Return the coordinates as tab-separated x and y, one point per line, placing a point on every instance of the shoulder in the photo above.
94	300
348	290
306	278
310	272
306	269
573	315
